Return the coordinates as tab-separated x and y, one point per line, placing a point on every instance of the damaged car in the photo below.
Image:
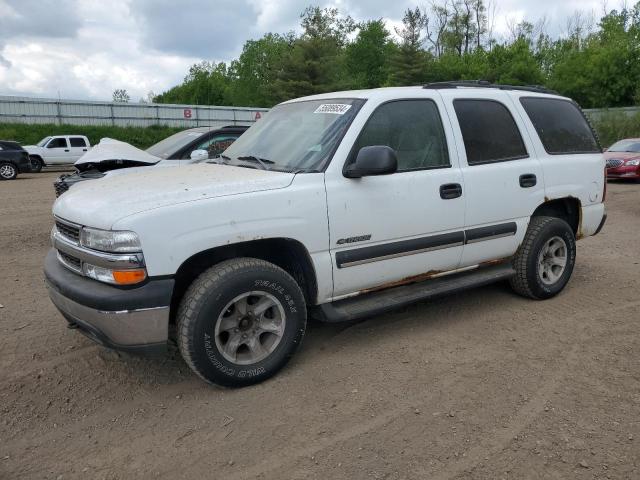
189	146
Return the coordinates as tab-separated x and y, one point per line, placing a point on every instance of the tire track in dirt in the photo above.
492	443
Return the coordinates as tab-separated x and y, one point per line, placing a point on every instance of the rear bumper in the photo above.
135	320
592	219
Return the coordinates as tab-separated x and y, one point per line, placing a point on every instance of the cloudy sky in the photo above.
84	49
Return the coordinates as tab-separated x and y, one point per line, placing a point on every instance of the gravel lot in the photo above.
482	385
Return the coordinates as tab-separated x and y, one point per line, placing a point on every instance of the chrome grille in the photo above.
72	232
614	163
70	262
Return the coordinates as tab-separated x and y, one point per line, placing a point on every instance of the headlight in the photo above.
632	163
109	240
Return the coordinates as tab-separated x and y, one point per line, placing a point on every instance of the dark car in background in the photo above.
623	159
13	160
178	149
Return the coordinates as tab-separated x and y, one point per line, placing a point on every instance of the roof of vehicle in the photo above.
387	92
213	129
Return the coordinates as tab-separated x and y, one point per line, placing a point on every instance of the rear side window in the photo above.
77	142
489	131
561	126
413	128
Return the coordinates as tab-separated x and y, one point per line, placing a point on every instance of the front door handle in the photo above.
450	190
528	180
84	149
66	149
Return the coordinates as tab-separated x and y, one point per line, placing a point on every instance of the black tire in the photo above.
8	171
205	303
36	164
529	280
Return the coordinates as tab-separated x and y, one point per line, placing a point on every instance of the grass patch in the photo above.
141	137
614	126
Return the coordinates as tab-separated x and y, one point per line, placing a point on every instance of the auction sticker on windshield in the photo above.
335	108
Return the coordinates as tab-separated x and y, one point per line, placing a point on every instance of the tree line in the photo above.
595	62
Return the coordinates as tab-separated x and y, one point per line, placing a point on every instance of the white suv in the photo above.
344	205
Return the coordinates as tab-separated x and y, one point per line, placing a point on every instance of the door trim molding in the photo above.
387	251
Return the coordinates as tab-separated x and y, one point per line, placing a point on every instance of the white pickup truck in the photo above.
341	205
57	150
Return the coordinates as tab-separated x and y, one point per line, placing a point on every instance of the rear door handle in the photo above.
84	149
66	149
528	180
450	190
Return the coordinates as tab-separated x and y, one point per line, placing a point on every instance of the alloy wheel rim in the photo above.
250	327
552	260
7	171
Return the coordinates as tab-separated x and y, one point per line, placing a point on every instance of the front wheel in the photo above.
240	322
36	164
544	262
8	171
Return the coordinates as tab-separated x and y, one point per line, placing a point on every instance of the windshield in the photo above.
170	145
626	146
298	136
42	142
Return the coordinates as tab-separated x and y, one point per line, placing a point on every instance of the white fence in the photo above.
79	112
596	113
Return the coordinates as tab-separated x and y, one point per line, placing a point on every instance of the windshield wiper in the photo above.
262	161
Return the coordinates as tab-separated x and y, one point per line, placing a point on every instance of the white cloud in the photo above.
88	48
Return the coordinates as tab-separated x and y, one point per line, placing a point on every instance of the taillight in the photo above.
604	190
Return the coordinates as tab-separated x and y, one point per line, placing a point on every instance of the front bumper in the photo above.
624	171
132	319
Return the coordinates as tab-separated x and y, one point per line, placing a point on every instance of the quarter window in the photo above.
561	126
489	132
413	128
77	142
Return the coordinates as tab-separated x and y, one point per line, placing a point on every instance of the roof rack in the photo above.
486	84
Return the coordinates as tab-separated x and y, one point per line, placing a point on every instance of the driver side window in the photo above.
413	128
58	143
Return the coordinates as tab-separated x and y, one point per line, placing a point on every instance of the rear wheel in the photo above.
544	262
8	171
240	322
36	164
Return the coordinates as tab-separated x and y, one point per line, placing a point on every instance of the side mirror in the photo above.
373	160
199	155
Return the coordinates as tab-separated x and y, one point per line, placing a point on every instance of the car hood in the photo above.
112	154
621	155
100	203
136	168
32	148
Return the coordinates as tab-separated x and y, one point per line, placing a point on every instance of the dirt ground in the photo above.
482	385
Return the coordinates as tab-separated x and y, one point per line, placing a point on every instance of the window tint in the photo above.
490	134
413	128
77	142
561	126
58	143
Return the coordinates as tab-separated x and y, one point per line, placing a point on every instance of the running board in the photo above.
375	303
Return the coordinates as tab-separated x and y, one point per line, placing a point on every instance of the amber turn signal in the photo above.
129	277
